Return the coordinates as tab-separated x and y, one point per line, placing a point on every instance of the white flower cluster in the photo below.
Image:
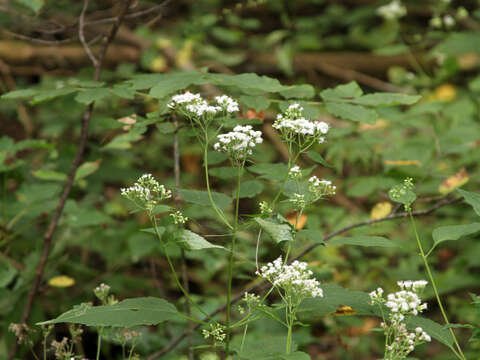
298	201
146	192
227	103
394	10
186	98
321	187
295	280
101	292
406	302
217	332
265	209
293	126
294	172
178	217
239	142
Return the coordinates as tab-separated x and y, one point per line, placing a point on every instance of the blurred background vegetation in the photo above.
318	42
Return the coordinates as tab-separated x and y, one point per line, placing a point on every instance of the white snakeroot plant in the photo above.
392	11
294	283
399	341
146	193
295	172
238	143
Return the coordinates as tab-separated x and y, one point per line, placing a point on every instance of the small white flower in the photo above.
393	10
294	172
239	142
146	192
227	103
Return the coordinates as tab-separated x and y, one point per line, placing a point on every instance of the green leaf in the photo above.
191	241
20	94
453	232
247	82
266	347
122	142
472	198
49	175
313	235
7	273
386	99
297	355
400	194
277	230
173	82
318	159
141	245
432	328
224	172
250	189
258	103
363	241
276	172
126	313
47	95
87	168
34	5
123	92
350	90
459	43
90	95
352	112
201	198
304	91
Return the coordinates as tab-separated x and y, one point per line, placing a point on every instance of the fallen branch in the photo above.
263	284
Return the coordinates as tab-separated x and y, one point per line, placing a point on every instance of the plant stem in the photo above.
99	343
460	354
289	326
153	220
230	262
219	213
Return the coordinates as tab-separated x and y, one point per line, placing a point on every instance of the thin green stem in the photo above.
460	354
232	254
209	191
99	343
290	328
153	220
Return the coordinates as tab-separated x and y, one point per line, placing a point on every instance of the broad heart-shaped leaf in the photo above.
472	198
453	232
275	172
304	91
20	94
201	198
386	99
278	231
126	313
250	189
267	347
363	241
350	90
318	159
170	83
258	102
191	241
352	112
432	328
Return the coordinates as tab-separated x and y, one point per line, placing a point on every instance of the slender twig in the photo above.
47	239
260	285
81	35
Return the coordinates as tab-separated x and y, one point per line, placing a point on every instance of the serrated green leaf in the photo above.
318	159
173	82
276	172
247	82
201	198
126	313
267	347
191	241
453	232
304	91
86	169
352	112
432	328
346	91
50	175
223	172
278	231
47	95
20	94
123	92
386	99
90	95
258	103
297	355
471	198
313	235
122	142
250	189
363	241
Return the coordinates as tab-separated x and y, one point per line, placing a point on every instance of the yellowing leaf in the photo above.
468	61
158	64
379	124
61	281
292	219
380	210
445	92
453	182
344	310
184	56
402	162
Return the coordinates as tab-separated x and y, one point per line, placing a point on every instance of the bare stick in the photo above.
47	239
262	284
81	35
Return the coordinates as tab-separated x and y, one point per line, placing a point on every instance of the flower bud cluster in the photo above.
295	172
295	280
239	142
403	303
146	192
392	11
217	332
321	188
265	209
293	127
178	218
